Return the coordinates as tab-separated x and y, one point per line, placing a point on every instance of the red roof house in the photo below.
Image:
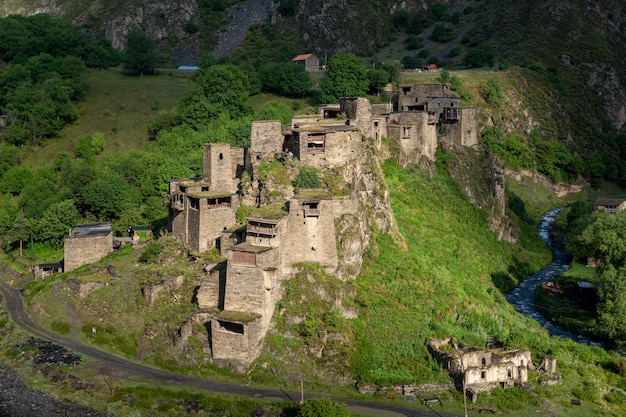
310	61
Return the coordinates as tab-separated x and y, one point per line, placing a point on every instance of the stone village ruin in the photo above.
318	226
328	227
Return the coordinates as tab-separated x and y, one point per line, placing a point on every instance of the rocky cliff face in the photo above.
480	176
162	20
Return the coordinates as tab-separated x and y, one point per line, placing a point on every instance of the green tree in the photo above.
605	239
8	214
273	110
323	407
55	223
108	196
555	160
286	78
84	149
20	231
225	88
140	56
394	70
345	77
443	33
612	307
477	58
15	179
378	79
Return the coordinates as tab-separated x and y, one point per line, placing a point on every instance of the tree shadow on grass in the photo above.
505	281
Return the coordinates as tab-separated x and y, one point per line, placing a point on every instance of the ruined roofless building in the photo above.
457	123
479	370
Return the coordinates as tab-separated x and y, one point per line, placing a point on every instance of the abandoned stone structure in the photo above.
237	298
87	243
478	370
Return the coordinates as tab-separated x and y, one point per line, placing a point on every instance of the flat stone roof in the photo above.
210	194
247	247
94	229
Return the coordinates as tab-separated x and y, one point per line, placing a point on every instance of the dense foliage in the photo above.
140	56
345	77
45	74
24	37
602	236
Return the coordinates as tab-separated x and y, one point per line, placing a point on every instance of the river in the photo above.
523	296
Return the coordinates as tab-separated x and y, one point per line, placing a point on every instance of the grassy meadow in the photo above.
120	106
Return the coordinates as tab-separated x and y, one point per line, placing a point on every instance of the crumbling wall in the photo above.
210	292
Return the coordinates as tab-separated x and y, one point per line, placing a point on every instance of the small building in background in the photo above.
310	61
610	205
45	270
140	234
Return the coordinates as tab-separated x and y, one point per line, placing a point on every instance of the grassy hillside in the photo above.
441	284
120	107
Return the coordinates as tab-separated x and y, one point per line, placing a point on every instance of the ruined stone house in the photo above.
457	124
479	370
87	243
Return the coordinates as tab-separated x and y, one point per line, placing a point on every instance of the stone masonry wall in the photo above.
341	147
83	250
245	285
218	167
210	293
229	343
211	224
266	140
311	239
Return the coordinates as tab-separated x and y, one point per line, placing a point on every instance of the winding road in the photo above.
523	296
132	370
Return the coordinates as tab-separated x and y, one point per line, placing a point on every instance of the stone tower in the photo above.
266	140
219	168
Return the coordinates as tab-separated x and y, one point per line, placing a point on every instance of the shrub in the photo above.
307	178
492	92
477	58
60	327
414	42
443	34
455	51
621	366
84	149
150	252
616	396
323	407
